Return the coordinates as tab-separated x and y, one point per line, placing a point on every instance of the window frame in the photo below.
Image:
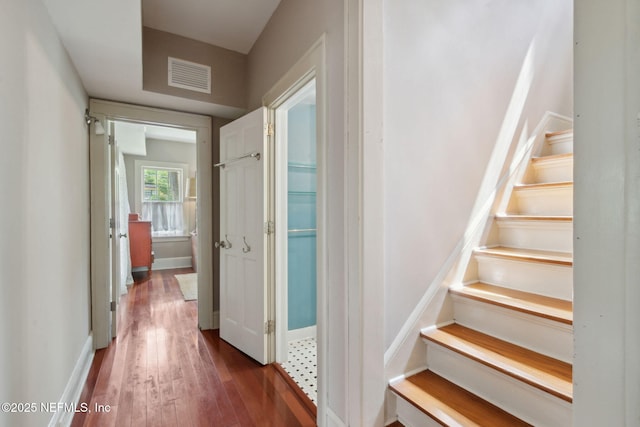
181	183
139	182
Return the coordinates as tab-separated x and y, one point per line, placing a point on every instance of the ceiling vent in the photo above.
189	75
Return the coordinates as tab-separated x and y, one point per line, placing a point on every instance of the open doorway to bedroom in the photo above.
158	203
158	193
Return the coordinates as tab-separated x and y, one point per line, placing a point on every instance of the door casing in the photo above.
100	208
312	65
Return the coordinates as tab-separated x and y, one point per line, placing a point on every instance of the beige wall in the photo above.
228	68
294	27
44	220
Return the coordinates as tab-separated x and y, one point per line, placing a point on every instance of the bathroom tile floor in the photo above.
302	366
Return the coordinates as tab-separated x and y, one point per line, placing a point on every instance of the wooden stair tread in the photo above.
551	157
512	217
540	371
544	185
525	302
558	133
533	255
451	405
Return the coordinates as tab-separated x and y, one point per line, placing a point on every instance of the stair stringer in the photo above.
407	353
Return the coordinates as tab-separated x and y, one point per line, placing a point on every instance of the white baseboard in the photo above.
74	387
169	263
333	420
301	334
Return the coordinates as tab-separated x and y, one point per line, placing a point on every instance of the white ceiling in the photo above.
104	41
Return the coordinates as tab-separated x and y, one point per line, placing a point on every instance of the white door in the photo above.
116	233
243	245
101	233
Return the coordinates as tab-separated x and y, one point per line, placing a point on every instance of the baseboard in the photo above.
334	420
301	334
74	387
169	263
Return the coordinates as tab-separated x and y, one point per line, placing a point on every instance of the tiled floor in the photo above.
302	366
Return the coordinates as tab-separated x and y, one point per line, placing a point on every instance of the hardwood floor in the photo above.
162	371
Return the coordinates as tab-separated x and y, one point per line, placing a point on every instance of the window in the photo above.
160	195
161	184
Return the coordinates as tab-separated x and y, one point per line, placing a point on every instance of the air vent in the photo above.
189	75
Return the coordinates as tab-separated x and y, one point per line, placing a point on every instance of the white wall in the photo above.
450	73
44	220
294	27
607	214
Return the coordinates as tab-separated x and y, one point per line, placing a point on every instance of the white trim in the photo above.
313	65
169	263
170	239
436	326
301	333
333	419
407	374
281	186
364	210
73	390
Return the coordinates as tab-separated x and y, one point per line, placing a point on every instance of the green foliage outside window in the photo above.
161	185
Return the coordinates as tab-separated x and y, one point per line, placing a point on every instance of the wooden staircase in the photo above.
506	358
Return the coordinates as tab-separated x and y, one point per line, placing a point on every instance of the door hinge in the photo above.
269	129
111	140
269	228
112	223
269	327
113	306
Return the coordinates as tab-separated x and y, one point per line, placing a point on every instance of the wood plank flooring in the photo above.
162	371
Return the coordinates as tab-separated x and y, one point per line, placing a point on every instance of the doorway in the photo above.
296	237
158	204
104	286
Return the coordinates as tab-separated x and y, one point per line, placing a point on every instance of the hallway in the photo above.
162	371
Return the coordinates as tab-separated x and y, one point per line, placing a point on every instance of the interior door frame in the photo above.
100	207
312	65
281	218
114	182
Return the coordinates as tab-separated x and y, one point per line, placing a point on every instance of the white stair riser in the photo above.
561	144
557	170
410	416
528	403
535	277
540	235
544	201
541	335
